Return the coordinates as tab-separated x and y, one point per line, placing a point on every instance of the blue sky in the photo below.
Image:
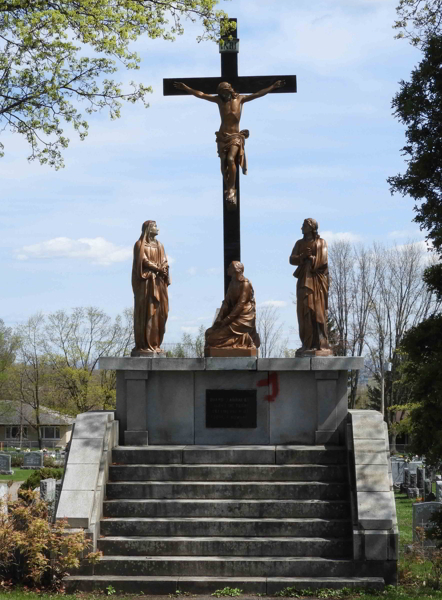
324	152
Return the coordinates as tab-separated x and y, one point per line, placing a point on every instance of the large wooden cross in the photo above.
243	85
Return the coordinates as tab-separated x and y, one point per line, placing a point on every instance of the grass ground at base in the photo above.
391	593
18	475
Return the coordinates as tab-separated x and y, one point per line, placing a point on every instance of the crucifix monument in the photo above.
225	91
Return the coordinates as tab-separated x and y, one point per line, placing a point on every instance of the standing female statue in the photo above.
150	278
310	256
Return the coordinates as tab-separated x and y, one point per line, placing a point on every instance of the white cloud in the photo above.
275	303
170	259
405	233
192	271
342	236
189	329
96	250
213	271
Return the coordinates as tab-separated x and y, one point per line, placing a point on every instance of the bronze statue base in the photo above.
148	353
301	352
230	352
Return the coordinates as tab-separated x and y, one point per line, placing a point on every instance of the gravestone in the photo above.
413	465
422	512
427	488
5	464
438	491
398	470
3	497
33	460
420	472
47	490
413	480
407	476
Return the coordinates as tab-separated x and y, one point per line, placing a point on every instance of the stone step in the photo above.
234	566
226	527
226	546
207	585
238	489
218	472
283	509
229	455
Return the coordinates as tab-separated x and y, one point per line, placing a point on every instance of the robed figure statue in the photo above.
150	279
310	256
234	330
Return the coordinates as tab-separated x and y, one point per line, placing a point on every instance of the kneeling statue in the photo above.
310	256
234	330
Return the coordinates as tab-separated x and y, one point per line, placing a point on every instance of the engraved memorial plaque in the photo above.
231	409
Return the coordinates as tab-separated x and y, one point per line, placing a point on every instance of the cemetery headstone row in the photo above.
5	464
33	460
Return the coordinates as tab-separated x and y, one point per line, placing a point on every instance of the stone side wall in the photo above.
86	473
375	530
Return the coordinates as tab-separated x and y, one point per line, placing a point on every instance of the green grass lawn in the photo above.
18	475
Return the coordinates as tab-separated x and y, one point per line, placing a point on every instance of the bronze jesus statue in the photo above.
229	138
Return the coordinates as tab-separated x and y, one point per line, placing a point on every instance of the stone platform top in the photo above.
328	363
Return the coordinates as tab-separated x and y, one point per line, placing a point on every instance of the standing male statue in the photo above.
229	138
310	256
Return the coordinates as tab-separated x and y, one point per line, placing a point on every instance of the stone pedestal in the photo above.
277	400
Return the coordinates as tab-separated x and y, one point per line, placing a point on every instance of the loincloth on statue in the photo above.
225	141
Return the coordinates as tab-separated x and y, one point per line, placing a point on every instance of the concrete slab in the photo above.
293	413
337	363
91	425
370	458
235	381
170	407
79	478
284	364
238	363
372	478
376	510
76	506
127	363
85	450
376	545
178	364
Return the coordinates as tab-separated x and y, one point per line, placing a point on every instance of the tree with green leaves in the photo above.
422	374
418	20
56	54
9	344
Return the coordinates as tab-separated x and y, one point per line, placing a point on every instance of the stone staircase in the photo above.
200	518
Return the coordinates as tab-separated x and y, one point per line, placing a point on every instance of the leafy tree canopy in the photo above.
418	105
423	376
418	20
45	70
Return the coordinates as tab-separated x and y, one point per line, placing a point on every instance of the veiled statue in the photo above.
230	139
310	257
234	330
150	279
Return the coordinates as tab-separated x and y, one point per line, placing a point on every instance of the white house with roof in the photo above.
18	426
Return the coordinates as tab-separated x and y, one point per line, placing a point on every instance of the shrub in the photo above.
16	460
32	551
36	476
